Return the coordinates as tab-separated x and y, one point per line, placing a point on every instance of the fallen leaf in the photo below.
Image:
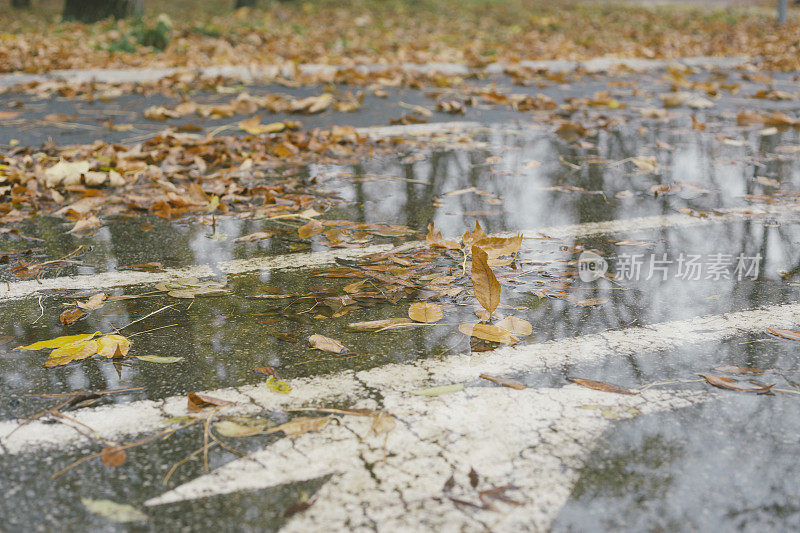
113	456
484	282
488	332
254	127
730	384
378	325
257	236
438	391
198	402
229	428
506	382
116	512
96	301
113	346
326	344
301	425
435	239
163	359
72	315
310	228
425	312
785	333
601	386
86	225
729	369
278	385
515	326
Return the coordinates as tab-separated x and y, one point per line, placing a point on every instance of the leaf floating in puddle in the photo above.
515	326
435	239
438	391
113	456
59	341
785	333
301	425
310	228
488	332
326	344
163	359
257	236
729	369
506	382
425	312
121	513
601	386
198	402
96	301
378	325
191	288
72	315
730	384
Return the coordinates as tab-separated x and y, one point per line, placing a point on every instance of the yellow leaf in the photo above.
488	332
484	282
72	352
59	341
515	326
497	246
108	345
254	127
378	325
435	239
425	312
278	385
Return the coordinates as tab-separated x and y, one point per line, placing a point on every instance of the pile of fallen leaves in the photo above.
370	31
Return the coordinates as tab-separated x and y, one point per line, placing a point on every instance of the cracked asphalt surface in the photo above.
554	456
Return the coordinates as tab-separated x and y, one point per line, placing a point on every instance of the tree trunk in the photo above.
94	10
245	3
21	4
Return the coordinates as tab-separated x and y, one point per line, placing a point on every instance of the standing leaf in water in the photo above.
484	282
326	344
425	312
599	385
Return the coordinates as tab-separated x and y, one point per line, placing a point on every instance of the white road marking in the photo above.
533	440
115	422
24	289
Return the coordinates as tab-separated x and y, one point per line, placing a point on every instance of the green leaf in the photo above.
163	359
438	391
278	385
116	512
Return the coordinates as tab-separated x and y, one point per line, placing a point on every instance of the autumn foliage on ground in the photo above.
367	31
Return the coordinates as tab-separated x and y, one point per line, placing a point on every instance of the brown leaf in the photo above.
301	425
484	282
96	301
506	382
599	385
310	228
72	315
425	312
435	239
198	402
785	333
257	236
729	369
326	344
377	325
727	383
113	456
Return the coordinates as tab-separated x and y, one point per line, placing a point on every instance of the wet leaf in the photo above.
72	315
377	325
121	513
113	456
785	333
506	382
438	391
730	384
198	402
310	228
601	386
229	428
425	312
191	288
162	359
484	282
488	332
253	126
301	425
278	385
113	346
257	236
326	344
516	326
435	239
59	341
96	301
499	246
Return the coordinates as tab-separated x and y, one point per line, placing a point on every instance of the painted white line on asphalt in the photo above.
24	289
266	73
535	440
115	422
